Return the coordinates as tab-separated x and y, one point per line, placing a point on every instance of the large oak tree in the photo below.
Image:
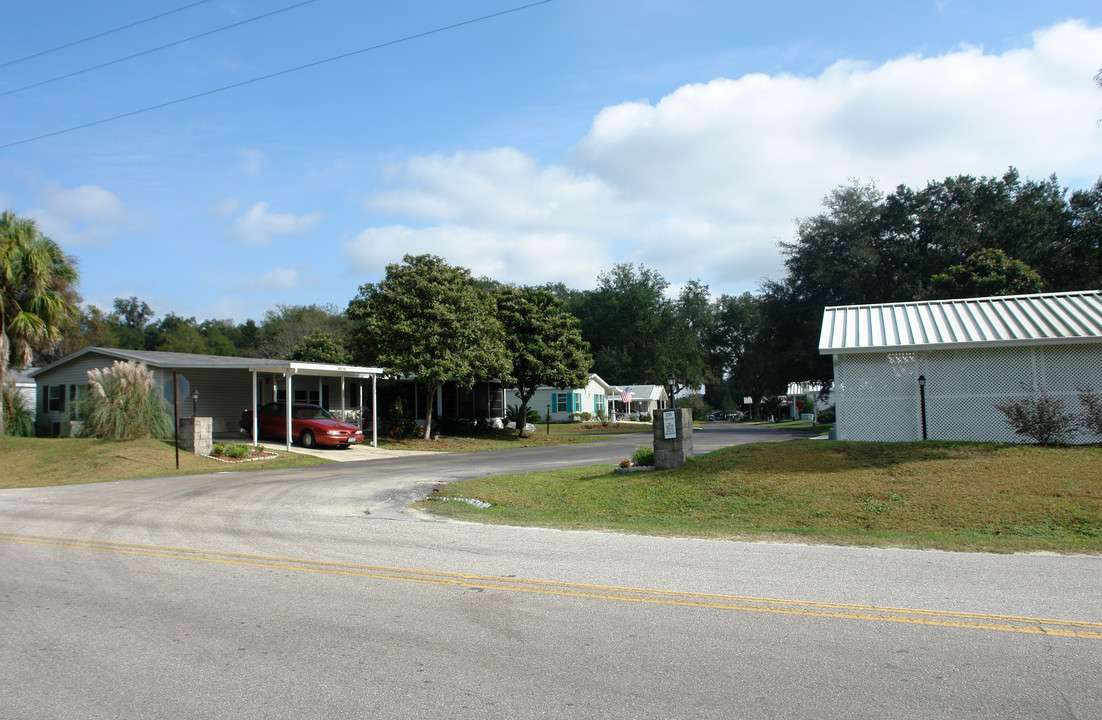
430	320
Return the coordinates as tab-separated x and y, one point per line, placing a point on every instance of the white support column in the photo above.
287	405
342	398
256	434
374	414
320	393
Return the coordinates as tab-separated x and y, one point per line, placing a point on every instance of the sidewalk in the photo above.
352	453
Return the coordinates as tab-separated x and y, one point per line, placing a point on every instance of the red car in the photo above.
311	425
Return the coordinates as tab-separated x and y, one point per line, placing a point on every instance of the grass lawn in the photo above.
42	462
561	434
953	496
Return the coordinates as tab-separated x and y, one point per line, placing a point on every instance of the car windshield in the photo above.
311	413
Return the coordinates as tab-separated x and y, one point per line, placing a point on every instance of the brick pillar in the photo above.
673	441
196	436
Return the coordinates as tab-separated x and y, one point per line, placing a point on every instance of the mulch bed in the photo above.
253	456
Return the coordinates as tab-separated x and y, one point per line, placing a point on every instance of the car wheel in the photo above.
307	439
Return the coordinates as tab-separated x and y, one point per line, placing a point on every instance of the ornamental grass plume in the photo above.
122	404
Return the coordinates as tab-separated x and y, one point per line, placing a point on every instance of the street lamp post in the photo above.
670	380
194	402
922	402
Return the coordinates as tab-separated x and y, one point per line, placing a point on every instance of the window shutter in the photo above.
554	402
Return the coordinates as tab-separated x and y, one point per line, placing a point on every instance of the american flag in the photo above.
625	395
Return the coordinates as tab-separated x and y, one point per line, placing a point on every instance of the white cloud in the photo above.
704	183
281	278
85	215
257	225
226	207
252	161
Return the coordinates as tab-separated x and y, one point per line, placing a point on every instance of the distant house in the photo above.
224	386
641	399
939	369
24	385
593	398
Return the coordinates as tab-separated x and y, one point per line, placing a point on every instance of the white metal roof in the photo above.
169	360
1043	319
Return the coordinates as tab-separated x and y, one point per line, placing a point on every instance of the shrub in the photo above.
643	455
586	416
826	417
1042	418
18	419
122	404
1091	419
237	450
602	416
512	414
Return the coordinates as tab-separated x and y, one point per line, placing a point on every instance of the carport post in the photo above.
287	404
374	414
256	439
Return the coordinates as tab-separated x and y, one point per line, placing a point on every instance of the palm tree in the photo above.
37	293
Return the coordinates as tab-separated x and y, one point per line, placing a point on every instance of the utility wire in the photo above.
408	38
102	34
153	50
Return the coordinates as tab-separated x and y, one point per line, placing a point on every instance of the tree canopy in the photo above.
37	292
429	319
544	342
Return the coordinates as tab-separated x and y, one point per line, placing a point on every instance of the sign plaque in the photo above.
669	424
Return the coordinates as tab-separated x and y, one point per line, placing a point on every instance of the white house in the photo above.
641	399
905	371
223	387
594	398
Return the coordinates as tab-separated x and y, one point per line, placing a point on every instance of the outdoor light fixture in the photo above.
922	401
670	380
194	402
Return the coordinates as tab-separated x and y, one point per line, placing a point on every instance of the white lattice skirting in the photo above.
877	394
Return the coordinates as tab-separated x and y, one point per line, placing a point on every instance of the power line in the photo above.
102	34
276	74
153	50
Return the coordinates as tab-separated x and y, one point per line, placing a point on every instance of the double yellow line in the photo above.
868	613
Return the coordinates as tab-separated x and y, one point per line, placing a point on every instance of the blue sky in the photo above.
542	145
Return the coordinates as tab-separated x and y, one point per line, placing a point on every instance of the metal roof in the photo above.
1042	319
169	360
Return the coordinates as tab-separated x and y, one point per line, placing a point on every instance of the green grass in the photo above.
953	496
561	434
43	462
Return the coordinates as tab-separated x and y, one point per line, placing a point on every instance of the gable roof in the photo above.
1040	319
170	360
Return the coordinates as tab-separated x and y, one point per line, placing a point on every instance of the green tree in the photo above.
544	342
321	347
285	327
743	344
627	321
689	330
37	295
429	319
985	273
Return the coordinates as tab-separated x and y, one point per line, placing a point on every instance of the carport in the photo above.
212	386
290	369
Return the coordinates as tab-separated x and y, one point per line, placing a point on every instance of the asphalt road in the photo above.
311	594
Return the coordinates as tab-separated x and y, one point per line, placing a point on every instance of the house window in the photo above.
56	399
562	402
598	403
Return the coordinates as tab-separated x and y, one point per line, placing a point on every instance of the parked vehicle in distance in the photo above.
311	425
717	415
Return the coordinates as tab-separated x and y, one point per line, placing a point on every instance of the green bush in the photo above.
18	419
1042	418
826	417
643	455
512	414
122	404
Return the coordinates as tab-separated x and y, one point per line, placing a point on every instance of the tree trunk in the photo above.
430	401
522	421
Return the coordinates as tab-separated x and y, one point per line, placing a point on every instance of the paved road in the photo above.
308	593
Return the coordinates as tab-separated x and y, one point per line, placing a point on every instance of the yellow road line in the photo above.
871	613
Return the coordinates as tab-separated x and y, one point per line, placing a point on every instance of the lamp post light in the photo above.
194	402
922	402
548	419
670	380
